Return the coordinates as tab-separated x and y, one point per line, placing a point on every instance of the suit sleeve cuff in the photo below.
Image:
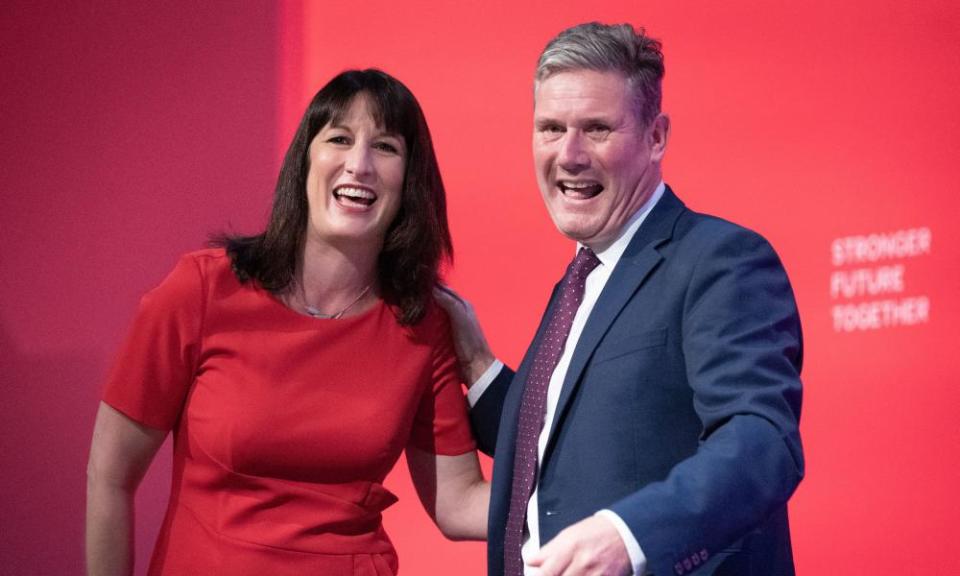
637	558
482	383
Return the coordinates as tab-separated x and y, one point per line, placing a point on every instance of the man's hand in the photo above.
590	547
468	339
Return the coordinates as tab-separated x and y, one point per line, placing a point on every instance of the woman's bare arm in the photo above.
453	492
120	454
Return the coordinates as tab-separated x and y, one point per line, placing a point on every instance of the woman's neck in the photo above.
332	278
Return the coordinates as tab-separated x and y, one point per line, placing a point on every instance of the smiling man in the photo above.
652	427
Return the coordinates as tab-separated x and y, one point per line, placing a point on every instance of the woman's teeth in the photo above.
358	195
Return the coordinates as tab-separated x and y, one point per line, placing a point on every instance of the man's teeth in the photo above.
581	188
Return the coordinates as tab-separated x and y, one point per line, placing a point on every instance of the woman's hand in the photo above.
119	457
471	346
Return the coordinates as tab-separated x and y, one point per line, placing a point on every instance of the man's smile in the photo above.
579	190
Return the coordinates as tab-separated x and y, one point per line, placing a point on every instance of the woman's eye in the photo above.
386	147
338	140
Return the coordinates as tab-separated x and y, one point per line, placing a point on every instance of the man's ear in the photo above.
659	134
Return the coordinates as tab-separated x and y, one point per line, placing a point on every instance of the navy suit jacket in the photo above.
680	408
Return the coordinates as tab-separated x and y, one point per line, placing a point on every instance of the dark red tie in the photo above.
534	403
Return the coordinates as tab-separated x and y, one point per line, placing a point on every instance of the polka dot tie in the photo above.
534	403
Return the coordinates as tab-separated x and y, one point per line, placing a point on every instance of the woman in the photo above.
294	366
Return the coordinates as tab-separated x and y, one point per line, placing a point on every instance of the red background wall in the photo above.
130	132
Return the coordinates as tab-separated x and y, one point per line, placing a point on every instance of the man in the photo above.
652	427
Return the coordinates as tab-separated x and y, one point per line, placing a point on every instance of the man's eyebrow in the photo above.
578	122
594	120
542	121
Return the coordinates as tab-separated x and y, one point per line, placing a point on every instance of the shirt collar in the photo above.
610	255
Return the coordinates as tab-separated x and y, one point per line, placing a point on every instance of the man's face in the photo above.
596	164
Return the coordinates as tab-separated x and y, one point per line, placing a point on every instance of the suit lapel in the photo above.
637	262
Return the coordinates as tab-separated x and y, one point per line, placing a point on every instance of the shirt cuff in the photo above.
482	383
637	558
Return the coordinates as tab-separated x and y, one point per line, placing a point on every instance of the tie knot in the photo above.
584	263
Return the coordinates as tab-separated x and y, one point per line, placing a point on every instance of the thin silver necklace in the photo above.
314	312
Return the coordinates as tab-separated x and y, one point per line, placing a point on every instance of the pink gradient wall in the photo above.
132	131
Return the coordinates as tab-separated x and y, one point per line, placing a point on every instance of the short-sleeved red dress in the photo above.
284	425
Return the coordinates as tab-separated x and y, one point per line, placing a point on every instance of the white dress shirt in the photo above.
597	279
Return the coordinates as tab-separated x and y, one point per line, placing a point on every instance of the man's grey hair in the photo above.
609	48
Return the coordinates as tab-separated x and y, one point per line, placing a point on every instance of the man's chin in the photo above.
576	232
594	239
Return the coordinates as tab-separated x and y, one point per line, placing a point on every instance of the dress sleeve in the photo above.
441	424
157	363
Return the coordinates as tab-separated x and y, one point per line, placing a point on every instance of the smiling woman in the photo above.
355	179
256	355
366	122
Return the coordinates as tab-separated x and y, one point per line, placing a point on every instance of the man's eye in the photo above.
550	132
597	132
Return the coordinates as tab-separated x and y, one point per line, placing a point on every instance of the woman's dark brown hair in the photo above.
417	240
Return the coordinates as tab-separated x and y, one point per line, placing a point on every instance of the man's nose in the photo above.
573	156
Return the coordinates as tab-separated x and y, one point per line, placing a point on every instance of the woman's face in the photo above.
355	179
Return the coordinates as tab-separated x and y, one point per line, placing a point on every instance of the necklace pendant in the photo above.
316	313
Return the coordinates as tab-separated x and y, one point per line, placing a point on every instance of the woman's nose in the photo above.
359	162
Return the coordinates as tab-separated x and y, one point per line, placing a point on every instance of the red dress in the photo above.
284	425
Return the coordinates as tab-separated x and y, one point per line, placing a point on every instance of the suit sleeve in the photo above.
741	342
485	414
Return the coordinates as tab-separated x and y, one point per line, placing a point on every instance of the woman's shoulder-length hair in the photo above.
416	241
